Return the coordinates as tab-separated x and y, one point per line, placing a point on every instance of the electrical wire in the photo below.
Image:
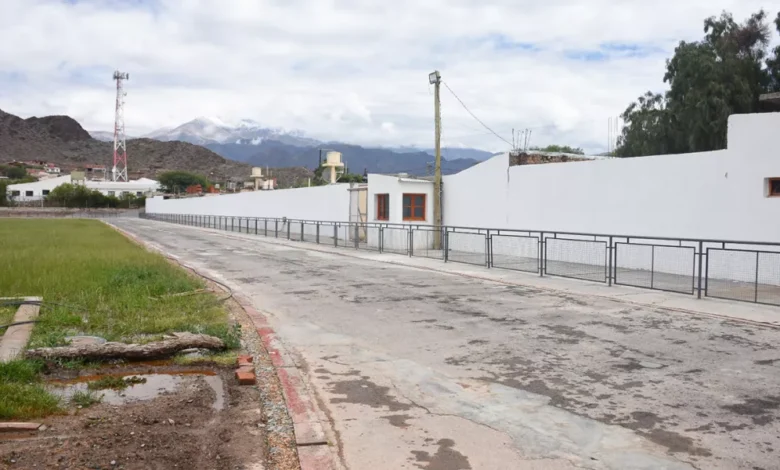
474	115
18	323
221	284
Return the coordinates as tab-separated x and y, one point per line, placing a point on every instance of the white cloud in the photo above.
336	68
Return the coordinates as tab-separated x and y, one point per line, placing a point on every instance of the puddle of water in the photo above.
215	382
154	386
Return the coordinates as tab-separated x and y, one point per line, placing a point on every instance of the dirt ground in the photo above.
188	427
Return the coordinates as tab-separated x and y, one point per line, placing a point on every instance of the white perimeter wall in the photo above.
329	203
713	195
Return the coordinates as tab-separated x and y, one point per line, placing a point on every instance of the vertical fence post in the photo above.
302	228
356	234
335	234
541	254
652	266
611	248
487	248
446	244
288	229
381	241
411	242
701	245
318	233
276	228
758	257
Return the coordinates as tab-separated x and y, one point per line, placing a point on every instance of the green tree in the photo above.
560	149
722	74
13	172
350	178
773	63
3	193
179	181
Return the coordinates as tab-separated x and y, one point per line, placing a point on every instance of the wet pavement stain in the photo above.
445	458
755	406
675	443
365	392
399	421
766	362
643	420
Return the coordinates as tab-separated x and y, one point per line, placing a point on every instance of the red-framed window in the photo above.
382	207
414	207
774	187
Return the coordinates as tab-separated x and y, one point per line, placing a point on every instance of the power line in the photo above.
473	115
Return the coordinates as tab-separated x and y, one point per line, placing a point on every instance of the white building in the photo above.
40	189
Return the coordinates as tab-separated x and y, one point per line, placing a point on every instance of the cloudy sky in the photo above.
350	70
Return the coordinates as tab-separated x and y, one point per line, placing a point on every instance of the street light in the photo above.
433	78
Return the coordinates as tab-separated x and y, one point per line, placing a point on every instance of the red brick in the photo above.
244	360
246	376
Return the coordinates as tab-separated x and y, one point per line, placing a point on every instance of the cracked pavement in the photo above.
426	370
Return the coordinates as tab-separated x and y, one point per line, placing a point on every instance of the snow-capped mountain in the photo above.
209	130
105	136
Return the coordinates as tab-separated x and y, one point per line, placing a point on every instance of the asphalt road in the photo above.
420	369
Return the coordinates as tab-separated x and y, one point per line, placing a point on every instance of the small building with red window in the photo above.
400	199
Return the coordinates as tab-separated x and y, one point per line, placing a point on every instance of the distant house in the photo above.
40	189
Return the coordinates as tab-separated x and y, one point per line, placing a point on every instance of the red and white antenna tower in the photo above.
119	171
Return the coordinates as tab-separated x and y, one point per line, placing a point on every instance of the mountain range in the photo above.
248	141
62	140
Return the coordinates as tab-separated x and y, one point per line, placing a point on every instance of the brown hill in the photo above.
62	140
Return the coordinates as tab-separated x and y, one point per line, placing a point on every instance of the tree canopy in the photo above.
13	172
722	74
560	149
179	181
71	195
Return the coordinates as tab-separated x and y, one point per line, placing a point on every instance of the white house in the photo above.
40	189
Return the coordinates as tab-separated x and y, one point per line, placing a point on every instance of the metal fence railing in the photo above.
735	270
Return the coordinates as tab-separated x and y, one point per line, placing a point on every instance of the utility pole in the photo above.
435	79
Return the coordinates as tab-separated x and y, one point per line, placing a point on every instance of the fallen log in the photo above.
166	347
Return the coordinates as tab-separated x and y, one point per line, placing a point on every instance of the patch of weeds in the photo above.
48	338
134	380
85	399
224	359
115	383
21	397
229	334
25	401
20	371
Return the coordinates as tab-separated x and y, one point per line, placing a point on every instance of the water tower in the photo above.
257	175
333	161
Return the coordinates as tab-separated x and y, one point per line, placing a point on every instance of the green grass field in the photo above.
105	285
